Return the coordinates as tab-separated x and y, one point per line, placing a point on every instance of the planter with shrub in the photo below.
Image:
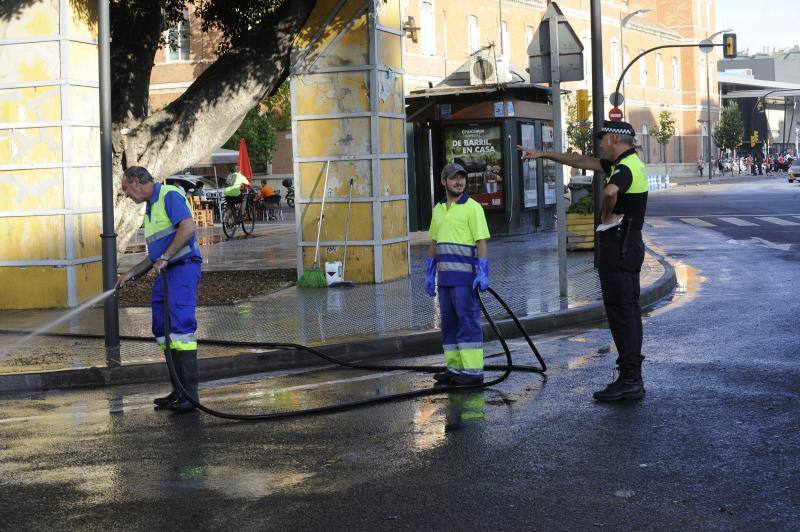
580	225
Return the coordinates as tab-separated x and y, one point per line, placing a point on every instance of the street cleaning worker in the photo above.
620	248
460	256
172	251
236	182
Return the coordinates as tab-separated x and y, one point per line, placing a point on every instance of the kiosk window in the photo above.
530	175
479	149
549	167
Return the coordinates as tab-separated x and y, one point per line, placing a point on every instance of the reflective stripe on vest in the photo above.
455	257
638	172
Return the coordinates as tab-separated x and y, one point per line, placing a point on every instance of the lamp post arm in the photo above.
653	49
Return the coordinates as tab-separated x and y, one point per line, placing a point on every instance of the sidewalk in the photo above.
389	319
697	180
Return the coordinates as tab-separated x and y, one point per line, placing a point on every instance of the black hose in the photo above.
363	402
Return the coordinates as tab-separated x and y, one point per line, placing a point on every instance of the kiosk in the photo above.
479	127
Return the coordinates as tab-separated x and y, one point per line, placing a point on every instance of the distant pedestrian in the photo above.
700	166
460	256
620	248
749	163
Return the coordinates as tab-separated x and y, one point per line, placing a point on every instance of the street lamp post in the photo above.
623	20
707	50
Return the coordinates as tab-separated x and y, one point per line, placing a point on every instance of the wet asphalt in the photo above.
714	445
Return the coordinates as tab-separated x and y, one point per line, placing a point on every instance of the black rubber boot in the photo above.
187	362
164	402
443	377
627	387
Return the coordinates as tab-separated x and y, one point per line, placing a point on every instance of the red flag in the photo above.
244	161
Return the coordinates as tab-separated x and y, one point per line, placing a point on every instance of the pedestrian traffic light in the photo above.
583	105
755	136
752	141
729	45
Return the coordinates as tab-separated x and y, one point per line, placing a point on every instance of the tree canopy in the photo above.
730	131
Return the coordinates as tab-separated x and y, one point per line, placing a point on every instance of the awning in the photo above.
219	156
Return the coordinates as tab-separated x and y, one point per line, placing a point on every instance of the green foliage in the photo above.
729	133
233	19
261	125
664	131
666	128
259	134
583	206
579	132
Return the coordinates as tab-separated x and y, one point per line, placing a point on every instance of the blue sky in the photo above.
758	24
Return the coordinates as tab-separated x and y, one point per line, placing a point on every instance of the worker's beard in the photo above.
454	193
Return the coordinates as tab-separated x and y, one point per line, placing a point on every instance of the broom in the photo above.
314	277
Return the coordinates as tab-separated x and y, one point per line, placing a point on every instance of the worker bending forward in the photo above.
172	251
459	255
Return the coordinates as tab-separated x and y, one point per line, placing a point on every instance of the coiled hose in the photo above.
507	369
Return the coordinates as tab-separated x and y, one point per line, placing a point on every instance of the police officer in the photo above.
620	248
172	251
460	256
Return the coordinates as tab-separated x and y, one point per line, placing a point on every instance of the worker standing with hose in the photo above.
172	251
460	256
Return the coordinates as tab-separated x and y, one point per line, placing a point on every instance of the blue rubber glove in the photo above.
481	281
430	276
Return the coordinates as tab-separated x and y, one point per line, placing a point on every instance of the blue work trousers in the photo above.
182	281
462	334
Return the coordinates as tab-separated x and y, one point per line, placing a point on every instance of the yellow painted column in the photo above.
348	117
50	214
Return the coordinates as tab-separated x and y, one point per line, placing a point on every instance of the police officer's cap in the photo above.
452	169
618	128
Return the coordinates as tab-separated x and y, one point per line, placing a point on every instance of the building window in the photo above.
178	40
700	13
615	69
505	40
626	58
528	36
473	34
427	28
659	71
676	74
642	69
645	144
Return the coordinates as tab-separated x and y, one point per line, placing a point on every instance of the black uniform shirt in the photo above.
632	205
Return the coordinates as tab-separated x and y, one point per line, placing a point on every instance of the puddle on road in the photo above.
688	285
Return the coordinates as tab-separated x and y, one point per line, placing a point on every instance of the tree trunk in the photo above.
204	116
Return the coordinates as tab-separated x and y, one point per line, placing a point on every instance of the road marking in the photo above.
761	242
697	222
777	221
737	221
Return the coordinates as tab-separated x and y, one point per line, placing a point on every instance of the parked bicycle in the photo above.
232	216
289	184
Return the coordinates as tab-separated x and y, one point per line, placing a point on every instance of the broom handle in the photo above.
321	213
347	229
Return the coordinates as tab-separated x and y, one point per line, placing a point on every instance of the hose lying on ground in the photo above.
373	367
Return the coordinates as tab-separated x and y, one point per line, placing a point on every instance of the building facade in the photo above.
669	79
679	80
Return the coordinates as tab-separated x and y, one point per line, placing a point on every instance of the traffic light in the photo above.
583	105
752	141
755	136
729	45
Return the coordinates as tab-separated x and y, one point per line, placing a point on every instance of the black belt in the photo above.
184	261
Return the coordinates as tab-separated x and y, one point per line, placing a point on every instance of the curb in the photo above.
415	343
